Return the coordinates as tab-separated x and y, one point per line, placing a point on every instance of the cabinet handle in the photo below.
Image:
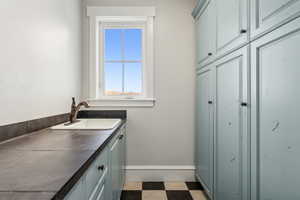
210	54
121	137
101	167
243	31
244	104
210	102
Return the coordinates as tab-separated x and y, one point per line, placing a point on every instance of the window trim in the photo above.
132	15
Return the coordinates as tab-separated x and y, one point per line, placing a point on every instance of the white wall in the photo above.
40	57
162	135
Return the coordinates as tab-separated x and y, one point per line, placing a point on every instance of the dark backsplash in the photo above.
14	130
122	114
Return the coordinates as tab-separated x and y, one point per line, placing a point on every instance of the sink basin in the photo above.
89	124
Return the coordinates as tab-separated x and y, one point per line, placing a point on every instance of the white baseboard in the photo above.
160	173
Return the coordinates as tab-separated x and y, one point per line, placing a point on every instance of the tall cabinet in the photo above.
247	112
231	126
204	138
275	114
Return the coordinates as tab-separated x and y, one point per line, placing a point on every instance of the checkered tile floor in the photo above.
163	191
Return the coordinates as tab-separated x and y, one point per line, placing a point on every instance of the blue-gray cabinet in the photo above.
232	25
105	177
92	184
266	15
246	139
231	132
205	27
123	157
204	133
275	113
117	165
95	176
77	192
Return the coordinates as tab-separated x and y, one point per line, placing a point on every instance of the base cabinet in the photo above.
77	192
117	164
105	177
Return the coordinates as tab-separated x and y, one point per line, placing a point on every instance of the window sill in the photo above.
146	102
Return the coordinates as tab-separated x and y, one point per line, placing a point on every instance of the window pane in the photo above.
113	44
133	44
113	78
133	78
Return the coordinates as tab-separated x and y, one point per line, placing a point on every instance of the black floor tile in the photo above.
194	186
153	186
131	195
179	195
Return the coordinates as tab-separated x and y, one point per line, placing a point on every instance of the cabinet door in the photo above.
115	169
275	114
232	25
267	15
206	34
95	173
123	156
231	158
204	130
77	192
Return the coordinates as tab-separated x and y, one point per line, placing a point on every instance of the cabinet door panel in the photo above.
267	15
94	175
123	157
101	195
115	169
206	34
231	127
121	172
232	18
204	135
276	114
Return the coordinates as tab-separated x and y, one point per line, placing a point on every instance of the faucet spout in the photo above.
83	103
75	109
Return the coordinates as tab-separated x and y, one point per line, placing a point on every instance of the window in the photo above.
121	56
123	61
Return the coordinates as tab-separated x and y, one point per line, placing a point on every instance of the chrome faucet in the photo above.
75	109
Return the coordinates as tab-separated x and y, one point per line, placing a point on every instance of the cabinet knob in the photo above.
243	31
210	54
101	167
121	137
244	104
210	102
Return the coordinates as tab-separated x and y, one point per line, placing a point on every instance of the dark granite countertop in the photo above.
46	164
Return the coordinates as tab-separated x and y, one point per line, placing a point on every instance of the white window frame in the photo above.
142	17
